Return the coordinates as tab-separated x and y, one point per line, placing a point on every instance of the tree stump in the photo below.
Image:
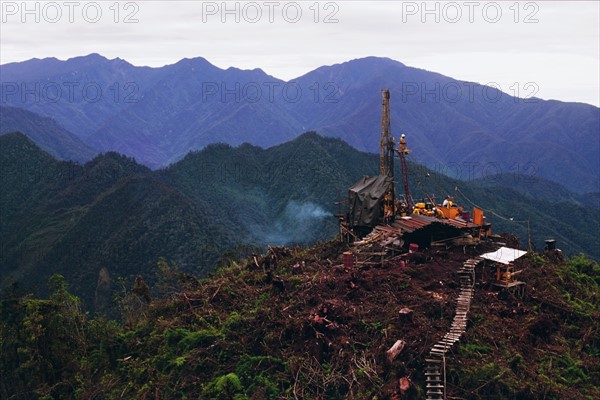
406	315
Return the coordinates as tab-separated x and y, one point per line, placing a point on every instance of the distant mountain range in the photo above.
46	133
157	115
58	216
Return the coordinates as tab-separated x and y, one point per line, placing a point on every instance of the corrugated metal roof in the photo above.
413	222
459	223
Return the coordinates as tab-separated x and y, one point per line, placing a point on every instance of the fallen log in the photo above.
396	349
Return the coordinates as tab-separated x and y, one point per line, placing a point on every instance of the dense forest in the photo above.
114	215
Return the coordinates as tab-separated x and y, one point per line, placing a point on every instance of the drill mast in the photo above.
386	150
402	155
386	142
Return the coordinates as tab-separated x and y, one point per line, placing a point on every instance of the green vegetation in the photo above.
543	346
214	206
241	335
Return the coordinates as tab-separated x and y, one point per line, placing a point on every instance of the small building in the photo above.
503	262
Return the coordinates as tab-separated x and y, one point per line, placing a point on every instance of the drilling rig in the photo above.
387	149
386	156
372	202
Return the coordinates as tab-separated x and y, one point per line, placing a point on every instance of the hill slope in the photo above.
296	323
110	213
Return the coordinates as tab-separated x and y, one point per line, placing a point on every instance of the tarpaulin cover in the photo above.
504	255
365	199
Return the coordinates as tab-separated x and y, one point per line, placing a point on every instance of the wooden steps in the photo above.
435	364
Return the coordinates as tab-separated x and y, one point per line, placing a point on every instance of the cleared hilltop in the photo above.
296	323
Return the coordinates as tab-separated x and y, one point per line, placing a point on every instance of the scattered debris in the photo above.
404	384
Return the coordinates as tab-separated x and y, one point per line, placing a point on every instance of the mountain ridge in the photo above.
158	115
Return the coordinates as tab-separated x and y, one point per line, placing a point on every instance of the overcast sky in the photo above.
552	44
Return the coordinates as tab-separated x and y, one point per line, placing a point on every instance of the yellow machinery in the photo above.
427	209
451	211
448	211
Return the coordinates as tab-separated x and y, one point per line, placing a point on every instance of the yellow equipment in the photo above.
427	209
506	273
451	212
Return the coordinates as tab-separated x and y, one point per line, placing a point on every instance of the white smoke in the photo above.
299	223
305	211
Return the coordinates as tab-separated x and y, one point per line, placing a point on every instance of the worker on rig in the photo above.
447	202
402	146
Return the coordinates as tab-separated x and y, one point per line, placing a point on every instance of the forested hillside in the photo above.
111	213
114	214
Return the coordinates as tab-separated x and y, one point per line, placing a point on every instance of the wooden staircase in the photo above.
435	367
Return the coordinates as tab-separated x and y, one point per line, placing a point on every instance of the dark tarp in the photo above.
365	199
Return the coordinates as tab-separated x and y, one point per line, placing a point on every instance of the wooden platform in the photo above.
516	287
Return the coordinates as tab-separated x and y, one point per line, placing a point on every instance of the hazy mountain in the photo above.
179	113
80	93
46	133
157	115
455	126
